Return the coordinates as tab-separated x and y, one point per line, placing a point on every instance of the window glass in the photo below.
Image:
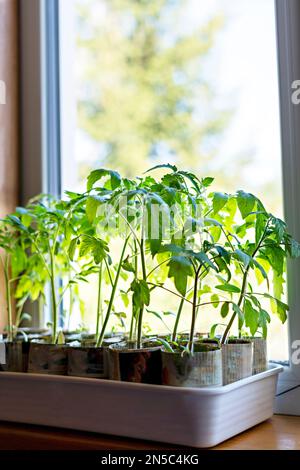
191	82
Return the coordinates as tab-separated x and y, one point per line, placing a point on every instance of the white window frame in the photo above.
42	112
288	40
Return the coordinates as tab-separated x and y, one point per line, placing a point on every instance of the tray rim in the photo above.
221	390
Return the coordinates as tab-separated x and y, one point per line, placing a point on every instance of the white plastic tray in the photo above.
186	416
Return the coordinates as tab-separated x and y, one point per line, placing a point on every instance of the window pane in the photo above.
181	81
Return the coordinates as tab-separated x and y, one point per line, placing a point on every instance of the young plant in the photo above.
191	255
258	246
98	201
42	226
13	262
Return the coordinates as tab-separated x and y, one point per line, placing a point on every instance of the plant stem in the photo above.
174	334
143	260
41	256
99	301
71	306
141	312
108	272
19	314
135	275
239	304
112	296
8	301
169	290
194	311
244	285
131	326
40	310
53	298
156	267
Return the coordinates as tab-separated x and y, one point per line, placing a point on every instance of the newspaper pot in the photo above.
237	357
71	336
203	368
26	334
186	336
213	341
47	358
32	332
89	339
129	364
16	356
25	355
87	361
260	355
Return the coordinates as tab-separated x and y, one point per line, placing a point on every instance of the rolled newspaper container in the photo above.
90	362
130	364
203	368
48	359
260	355
13	360
237	357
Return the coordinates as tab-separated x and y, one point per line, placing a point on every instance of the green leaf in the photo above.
169	313
279	228
207	181
128	266
26	220
229	288
204	259
141	293
96	175
124	297
219	201
73	195
120	316
60	338
18	261
165	344
17	223
94	247
72	248
224	310
193	179
281	308
92	205
239	312
223	253
276	257
215	233
223	268
246	203
243	257
166	165
155	245
251	317
261	219
261	270
212	333
208	222
180	268
264	319
278	282
156	314
172	248
216	300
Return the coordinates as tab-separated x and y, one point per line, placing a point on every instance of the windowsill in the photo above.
278	433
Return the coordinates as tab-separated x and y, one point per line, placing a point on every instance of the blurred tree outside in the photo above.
145	98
